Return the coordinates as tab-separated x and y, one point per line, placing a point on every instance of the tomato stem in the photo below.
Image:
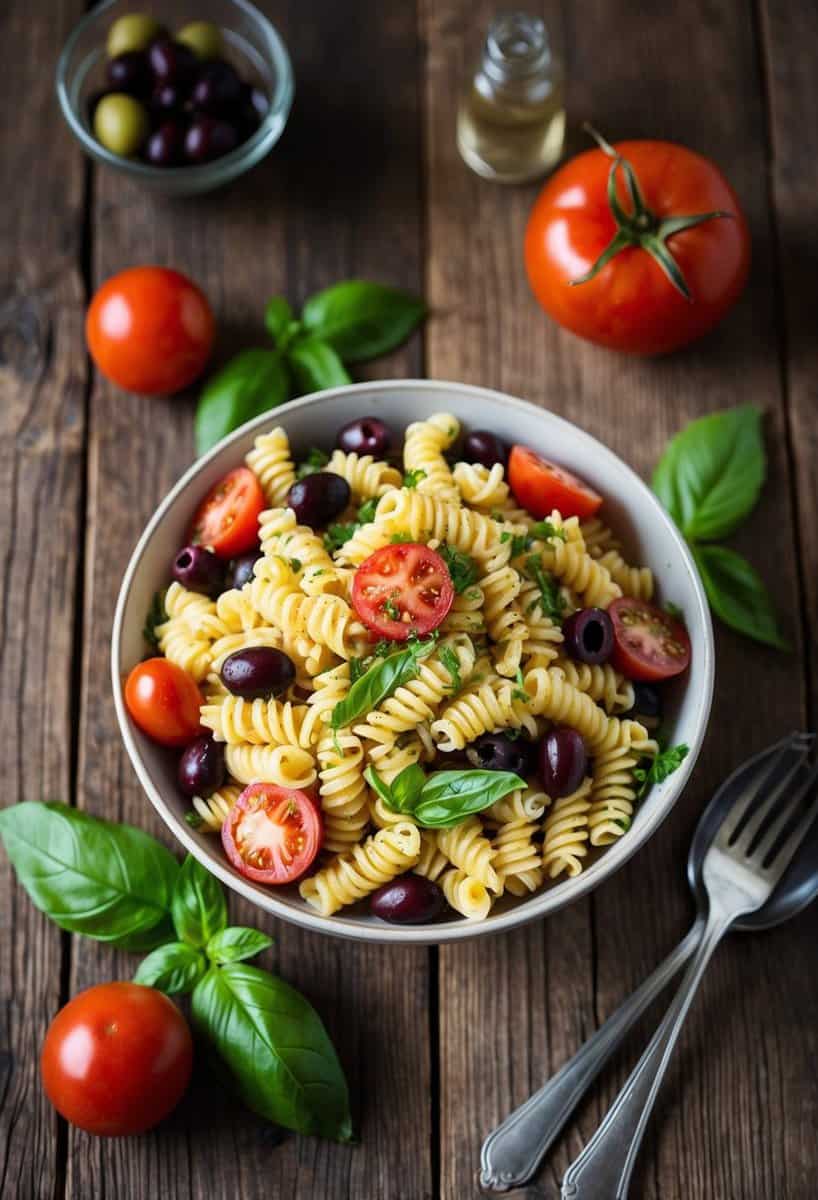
641	227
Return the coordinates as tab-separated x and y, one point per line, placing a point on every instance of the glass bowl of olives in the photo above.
183	101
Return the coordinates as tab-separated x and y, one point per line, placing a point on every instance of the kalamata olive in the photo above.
589	635
484	447
203	38
201	767
496	752
563	762
317	498
172	62
365	436
165	148
408	900
209	138
199	570
130	73
217	90
134	31
120	124
647	702
167	98
259	671
241	569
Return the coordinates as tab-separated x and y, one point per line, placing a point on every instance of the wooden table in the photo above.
438	1044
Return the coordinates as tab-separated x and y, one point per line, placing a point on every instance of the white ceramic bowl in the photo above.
649	536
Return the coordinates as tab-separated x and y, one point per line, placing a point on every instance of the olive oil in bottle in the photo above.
511	120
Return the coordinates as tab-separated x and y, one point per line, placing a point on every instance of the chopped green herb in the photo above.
544	530
336	744
296	564
156	616
366	512
412	478
520	542
675	611
314	461
451	662
462	568
193	819
656	770
551	599
338	535
473	594
356	669
390	607
400	537
519	692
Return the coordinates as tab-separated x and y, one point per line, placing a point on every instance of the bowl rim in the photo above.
540	904
244	156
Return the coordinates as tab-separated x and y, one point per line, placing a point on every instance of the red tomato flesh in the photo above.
402	589
541	486
164	701
272	834
227	518
649	644
117	1059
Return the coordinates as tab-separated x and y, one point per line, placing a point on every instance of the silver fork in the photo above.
741	868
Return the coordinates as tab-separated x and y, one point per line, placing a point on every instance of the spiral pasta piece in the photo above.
465	615
367	477
233	642
390	755
179	646
342	789
551	695
543	637
634	581
432	862
505	622
565	833
272	463
613	790
235	611
423	448
417	700
426	518
465	895
467	848
285	766
601	682
517	859
598	537
258	722
484	707
351	876
481	486
584	575
521	805
323	620
212	810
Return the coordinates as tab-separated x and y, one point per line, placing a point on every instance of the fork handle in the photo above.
603	1170
514	1150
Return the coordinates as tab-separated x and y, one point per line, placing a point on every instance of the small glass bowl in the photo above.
252	44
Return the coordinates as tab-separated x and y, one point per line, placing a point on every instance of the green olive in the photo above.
203	38
120	123
134	31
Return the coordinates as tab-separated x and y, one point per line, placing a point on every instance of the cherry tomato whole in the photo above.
163	700
541	486
401	589
227	518
649	644
272	834
150	330
117	1059
631	303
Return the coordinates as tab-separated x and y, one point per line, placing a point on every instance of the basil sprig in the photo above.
709	480
444	798
347	323
379	682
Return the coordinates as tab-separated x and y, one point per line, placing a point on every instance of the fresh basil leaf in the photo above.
198	906
106	881
361	320
252	383
403	792
711	473
315	365
462	567
173	968
378	682
737	595
278	317
237	942
656	770
449	796
275	1048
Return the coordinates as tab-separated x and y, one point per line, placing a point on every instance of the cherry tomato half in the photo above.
150	330
649	643
402	589
164	701
272	834
227	518
541	486
117	1059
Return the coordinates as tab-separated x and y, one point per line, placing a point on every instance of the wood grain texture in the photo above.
42	400
489	330
338	198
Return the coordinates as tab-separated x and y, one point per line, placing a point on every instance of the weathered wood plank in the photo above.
626	74
338	198
42	401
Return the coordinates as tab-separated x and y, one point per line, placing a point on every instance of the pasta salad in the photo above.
425	675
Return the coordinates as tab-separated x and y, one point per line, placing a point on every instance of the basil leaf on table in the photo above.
275	1048
198	906
711	474
278	317
235	943
175	967
449	796
737	595
250	384
380	681
315	365
106	881
361	320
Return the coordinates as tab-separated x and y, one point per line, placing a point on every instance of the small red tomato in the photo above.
541	486
150	330
649	644
117	1059
402	589
227	518
272	834
164	701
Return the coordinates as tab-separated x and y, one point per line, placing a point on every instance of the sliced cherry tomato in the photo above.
272	834
227	518
402	589
117	1059
164	701
541	486
649	643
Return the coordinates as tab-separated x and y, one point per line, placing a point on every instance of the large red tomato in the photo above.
614	250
